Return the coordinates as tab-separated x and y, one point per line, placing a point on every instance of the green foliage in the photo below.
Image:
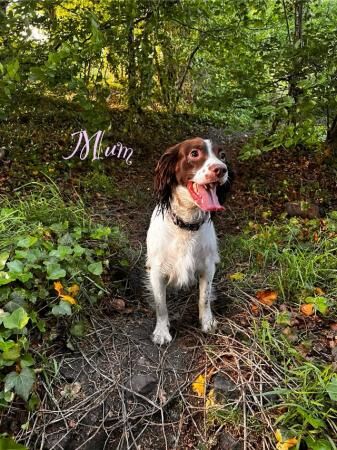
260	65
295	256
49	271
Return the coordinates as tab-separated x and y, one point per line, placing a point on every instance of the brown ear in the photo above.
165	176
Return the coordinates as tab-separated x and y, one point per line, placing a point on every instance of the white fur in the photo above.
177	257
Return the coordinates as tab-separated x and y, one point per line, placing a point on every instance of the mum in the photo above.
117	150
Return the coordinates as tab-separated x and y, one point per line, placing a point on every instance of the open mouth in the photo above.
205	196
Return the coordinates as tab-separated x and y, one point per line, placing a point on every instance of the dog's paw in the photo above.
209	324
161	336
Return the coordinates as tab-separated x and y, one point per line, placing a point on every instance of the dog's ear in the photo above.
165	176
223	190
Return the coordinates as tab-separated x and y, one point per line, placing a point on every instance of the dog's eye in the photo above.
222	155
194	153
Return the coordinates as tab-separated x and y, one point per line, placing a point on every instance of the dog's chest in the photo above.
180	254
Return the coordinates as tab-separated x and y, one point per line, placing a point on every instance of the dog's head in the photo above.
200	166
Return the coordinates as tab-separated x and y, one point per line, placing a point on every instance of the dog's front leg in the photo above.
161	334
208	323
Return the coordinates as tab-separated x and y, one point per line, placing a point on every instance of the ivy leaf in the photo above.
18	319
22	382
15	266
96	268
331	389
6	277
26	360
27	242
13	353
8	444
55	271
62	309
3	259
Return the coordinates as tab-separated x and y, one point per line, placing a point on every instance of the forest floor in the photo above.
270	364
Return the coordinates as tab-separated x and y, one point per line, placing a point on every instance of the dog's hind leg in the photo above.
208	323
161	334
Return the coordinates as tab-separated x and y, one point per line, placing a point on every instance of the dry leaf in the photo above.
73	290
199	385
319	291
59	289
267	297
255	309
237	276
210	401
68	298
307	309
118	304
284	445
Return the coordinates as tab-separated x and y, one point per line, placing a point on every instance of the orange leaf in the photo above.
307	309
69	299
255	309
58	287
267	297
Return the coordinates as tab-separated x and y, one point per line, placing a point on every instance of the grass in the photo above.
297	259
54	261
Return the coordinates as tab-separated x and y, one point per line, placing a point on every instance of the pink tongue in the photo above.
207	199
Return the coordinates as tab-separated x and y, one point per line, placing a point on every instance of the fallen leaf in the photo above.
69	299
267	297
307	309
318	291
73	290
199	385
284	445
237	276
255	309
58	287
210	401
118	304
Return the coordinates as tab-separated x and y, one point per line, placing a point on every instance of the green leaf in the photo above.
321	303
3	259
27	360
55	271
96	268
27	242
18	319
62	252
9	444
15	266
320	444
331	389
13	353
62	309
78	329
22	382
6	277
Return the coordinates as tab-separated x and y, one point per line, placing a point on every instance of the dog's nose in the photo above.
218	169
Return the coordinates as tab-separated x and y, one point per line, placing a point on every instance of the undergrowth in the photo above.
53	262
296	261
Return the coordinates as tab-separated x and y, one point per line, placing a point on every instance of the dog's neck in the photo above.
183	206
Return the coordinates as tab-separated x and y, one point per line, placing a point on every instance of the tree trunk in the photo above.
131	64
331	138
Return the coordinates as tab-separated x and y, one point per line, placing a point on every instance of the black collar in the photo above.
188	226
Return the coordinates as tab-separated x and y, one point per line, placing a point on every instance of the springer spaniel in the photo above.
181	240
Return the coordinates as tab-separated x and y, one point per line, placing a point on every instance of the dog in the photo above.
191	180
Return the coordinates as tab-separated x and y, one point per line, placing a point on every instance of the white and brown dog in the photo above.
181	240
